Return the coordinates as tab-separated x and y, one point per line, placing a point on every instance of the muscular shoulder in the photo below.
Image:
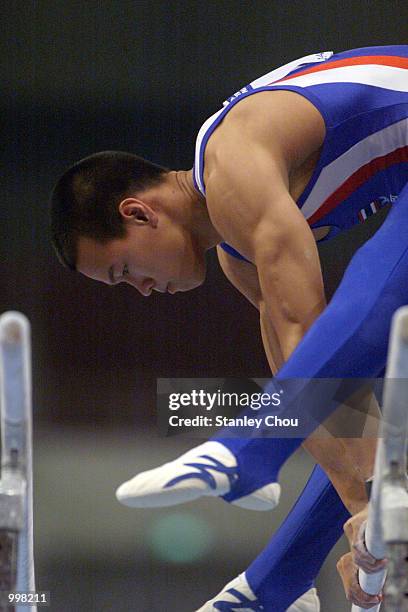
250	164
285	123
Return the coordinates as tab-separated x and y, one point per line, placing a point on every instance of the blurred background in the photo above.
78	77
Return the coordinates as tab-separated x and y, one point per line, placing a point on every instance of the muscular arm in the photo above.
244	277
249	202
347	461
289	273
250	205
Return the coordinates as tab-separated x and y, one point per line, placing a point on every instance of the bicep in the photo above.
257	216
250	204
248	197
242	190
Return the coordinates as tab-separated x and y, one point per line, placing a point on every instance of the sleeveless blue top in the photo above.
362	96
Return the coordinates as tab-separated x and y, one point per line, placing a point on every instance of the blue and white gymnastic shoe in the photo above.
238	596
206	470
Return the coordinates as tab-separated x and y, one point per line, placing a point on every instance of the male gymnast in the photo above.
295	157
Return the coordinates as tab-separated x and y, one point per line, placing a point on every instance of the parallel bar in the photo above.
387	525
394	492
16	486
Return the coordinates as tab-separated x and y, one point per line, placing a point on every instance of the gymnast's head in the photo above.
116	217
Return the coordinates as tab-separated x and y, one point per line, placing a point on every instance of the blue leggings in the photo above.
289	564
348	340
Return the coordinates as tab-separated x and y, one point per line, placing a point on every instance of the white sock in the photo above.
155	488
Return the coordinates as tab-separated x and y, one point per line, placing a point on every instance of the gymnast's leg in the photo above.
284	572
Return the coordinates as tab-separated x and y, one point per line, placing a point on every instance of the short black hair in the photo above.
85	200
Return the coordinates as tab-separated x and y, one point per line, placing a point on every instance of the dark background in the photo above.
78	77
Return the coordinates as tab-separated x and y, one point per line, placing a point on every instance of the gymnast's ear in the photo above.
133	210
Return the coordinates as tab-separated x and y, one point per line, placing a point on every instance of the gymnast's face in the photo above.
156	253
